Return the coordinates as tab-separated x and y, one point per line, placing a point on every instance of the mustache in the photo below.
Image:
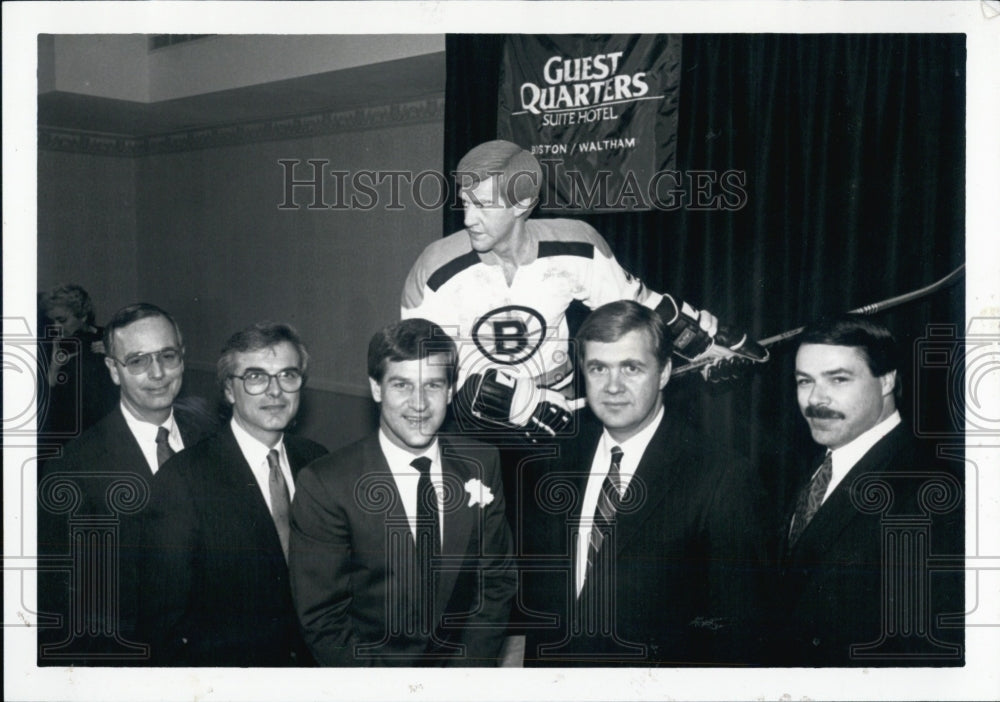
821	413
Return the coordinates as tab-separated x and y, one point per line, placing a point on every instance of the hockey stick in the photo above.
871	309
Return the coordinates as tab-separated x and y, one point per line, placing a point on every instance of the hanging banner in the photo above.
598	111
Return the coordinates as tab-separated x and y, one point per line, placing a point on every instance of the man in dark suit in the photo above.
400	551
93	496
650	538
215	579
857	585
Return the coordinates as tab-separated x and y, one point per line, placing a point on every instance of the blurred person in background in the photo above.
76	390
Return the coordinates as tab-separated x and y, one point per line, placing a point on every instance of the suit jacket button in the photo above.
184	640
815	642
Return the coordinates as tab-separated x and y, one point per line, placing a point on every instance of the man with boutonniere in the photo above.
400	552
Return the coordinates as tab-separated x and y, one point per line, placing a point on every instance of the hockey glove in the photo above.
694	344
501	398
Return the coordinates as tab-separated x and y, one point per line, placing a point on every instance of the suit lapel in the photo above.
650	484
296	460
838	512
191	431
577	468
376	468
376	465
245	489
458	519
579	465
124	452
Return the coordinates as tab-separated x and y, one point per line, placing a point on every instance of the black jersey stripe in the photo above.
449	270
565	248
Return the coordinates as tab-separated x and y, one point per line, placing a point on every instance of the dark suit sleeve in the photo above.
55	586
484	631
195	420
738	557
170	539
319	563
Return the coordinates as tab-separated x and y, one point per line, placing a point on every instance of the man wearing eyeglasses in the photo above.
215	588
109	468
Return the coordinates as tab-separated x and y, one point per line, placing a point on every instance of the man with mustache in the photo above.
846	595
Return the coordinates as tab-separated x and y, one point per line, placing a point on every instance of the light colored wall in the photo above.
104	65
215	249
120	66
199	231
224	62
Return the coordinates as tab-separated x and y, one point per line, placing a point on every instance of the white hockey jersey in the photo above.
520	327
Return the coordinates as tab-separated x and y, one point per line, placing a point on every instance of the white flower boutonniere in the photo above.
479	494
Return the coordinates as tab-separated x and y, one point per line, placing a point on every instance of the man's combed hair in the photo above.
612	321
131	314
874	341
516	171
72	297
261	335
410	340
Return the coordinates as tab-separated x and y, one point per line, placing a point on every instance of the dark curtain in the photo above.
853	150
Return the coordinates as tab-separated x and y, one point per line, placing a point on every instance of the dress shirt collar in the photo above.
253	450
145	435
399	459
848	455
632	448
406	476
255	454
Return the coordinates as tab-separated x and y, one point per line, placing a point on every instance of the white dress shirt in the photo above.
255	454
632	450
145	434
406	477
848	455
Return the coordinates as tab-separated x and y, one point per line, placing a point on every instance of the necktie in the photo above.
163	451
810	500
428	527
279	498
607	504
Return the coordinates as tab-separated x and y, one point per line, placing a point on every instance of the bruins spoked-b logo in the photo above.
509	335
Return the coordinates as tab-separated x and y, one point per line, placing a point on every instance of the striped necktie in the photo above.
607	505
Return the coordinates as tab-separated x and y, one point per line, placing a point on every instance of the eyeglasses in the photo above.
138	364
257	381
